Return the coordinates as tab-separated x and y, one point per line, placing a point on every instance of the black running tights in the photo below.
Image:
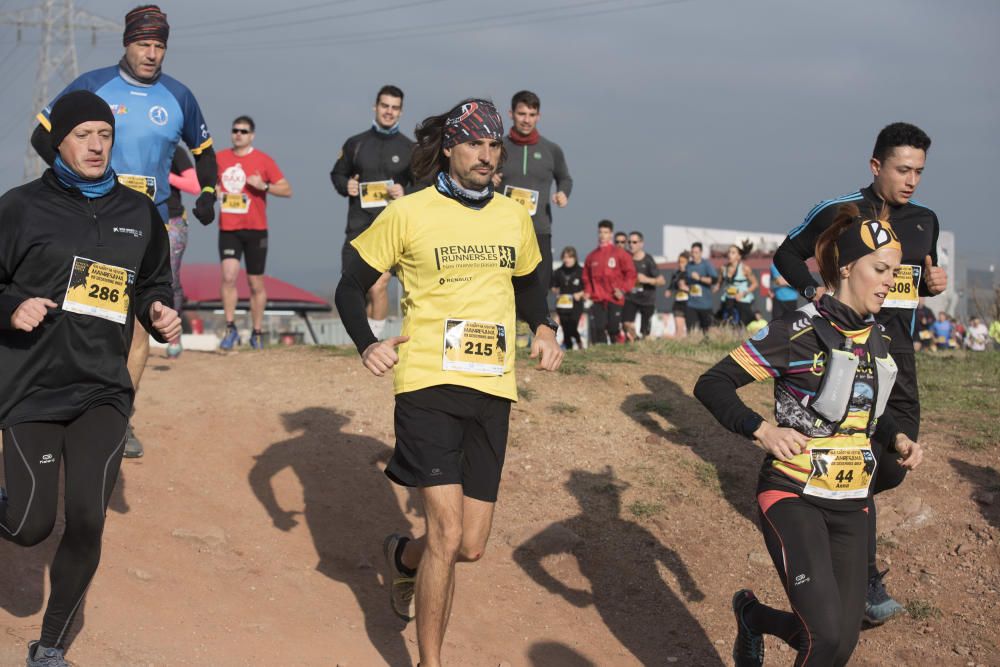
91	446
820	557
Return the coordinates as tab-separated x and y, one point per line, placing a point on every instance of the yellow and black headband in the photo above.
862	237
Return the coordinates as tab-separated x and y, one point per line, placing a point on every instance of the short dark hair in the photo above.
527	98
698	245
391	91
639	234
621	234
899	134
247	120
606	224
568	250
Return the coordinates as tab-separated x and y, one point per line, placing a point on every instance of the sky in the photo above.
707	113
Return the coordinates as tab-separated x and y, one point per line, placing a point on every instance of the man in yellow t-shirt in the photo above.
468	264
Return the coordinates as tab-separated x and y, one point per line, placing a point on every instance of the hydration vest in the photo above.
833	398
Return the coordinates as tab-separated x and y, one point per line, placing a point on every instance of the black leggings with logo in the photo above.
90	446
820	555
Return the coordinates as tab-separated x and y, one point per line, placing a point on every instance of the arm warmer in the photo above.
716	389
185	182
207	169
41	141
530	299
357	278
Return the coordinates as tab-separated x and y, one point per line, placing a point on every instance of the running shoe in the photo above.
133	448
43	656
174	350
401	590
748	649
231	338
257	340
879	605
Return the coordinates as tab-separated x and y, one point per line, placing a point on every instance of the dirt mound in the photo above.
250	533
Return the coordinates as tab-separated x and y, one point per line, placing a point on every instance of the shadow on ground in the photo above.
620	558
733	460
986	480
349	508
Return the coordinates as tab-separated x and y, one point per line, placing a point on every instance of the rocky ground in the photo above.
250	533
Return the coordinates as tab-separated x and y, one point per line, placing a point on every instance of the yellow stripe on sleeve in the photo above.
44	121
200	149
747	363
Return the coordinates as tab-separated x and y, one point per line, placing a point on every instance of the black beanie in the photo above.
74	108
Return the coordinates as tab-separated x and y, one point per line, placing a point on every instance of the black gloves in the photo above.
204	208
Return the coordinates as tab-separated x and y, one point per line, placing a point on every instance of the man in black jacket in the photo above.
81	257
373	169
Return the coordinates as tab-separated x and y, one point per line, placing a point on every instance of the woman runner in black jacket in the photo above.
567	283
79	254
833	375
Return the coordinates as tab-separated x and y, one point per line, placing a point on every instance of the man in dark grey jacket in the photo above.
533	162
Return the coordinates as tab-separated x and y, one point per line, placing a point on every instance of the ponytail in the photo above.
826	245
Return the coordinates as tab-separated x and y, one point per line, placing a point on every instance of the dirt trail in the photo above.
250	533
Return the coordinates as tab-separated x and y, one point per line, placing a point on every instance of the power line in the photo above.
211	30
254	17
494	21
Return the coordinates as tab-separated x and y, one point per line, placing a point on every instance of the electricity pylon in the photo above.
58	20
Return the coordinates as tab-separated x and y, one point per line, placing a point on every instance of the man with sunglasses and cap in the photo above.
153	112
247	176
467	260
81	258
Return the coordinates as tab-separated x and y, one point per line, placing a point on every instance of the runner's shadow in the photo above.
690	425
550	654
987	483
621	559
349	505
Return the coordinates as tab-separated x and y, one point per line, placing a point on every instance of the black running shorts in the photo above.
450	435
251	242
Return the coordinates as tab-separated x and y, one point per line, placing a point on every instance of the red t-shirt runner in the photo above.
244	207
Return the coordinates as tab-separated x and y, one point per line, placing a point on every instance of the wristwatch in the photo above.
552	325
267	186
809	292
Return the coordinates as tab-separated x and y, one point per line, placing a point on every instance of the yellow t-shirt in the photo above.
455	265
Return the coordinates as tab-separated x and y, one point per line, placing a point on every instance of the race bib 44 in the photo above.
840	473
98	290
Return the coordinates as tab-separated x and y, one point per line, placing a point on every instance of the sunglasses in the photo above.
240	130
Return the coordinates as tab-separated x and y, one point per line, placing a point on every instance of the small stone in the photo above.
963	549
671	658
653	440
141	575
760	558
211	536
